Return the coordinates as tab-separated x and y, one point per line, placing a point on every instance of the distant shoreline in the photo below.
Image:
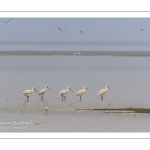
71	53
104	110
118	110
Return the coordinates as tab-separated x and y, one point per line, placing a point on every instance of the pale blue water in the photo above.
127	77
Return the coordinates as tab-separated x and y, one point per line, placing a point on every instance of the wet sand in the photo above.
74	119
118	110
104	110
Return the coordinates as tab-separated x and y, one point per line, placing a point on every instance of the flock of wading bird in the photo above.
63	92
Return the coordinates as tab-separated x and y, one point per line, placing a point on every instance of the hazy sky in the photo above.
100	34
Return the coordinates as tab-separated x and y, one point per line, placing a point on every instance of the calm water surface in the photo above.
127	77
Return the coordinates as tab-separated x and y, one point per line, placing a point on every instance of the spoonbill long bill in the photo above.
81	92
103	91
43	91
65	91
27	92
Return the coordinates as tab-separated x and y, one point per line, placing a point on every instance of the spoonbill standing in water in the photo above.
65	91
81	92
43	91
26	92
103	91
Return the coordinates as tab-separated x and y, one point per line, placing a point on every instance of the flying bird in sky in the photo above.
82	32
7	21
142	30
62	29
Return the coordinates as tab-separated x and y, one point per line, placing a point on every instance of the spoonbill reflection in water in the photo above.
65	91
27	92
103	91
81	92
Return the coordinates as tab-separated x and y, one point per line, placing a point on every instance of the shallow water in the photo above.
127	77
61	120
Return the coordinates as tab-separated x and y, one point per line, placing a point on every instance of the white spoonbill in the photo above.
43	91
81	92
65	91
26	92
103	91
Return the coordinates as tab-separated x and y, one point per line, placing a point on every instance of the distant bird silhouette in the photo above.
142	30
62	29
82	32
7	21
78	53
